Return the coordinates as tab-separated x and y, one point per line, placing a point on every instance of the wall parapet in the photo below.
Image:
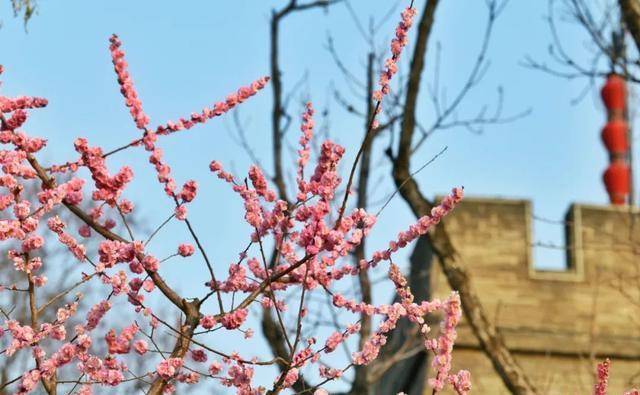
582	310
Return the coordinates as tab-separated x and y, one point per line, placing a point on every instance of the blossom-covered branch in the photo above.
313	246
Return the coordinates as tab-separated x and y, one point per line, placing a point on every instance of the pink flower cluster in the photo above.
208	321
391	64
140	346
121	343
108	188
372	346
13	164
113	252
8	105
234	319
333	341
30	380
126	84
442	347
22	336
96	313
68	192
423	225
304	153
217	110
602	380
57	226
185	250
199	355
133	102
259	183
306	226
108	371
290	378
255	214
169	367
461	382
325	179
189	190
240	376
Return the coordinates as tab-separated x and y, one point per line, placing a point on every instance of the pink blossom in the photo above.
423	225
325	179
391	64
108	187
32	243
188	378
305	151
333	341
96	313
151	263
84	231
237	280
113	252
181	212
239	376
121	343
329	373
185	250
603	378
21	103
169	367
140	346
208	321
148	285
260	184
39	281
234	319
215	368
189	190
163	170
57	226
443	347
218	108
30	380
125	206
290	378
126	84
199	355
461	382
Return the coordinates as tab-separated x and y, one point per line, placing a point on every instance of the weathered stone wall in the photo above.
558	324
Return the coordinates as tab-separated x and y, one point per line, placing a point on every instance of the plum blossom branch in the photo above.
310	258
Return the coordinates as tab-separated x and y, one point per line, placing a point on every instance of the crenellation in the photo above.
557	323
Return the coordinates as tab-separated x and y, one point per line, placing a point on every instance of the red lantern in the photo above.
614	92
616	179
614	136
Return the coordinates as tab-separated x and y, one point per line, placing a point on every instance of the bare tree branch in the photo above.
631	14
490	340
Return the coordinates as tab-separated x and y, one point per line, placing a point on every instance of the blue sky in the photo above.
183	58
